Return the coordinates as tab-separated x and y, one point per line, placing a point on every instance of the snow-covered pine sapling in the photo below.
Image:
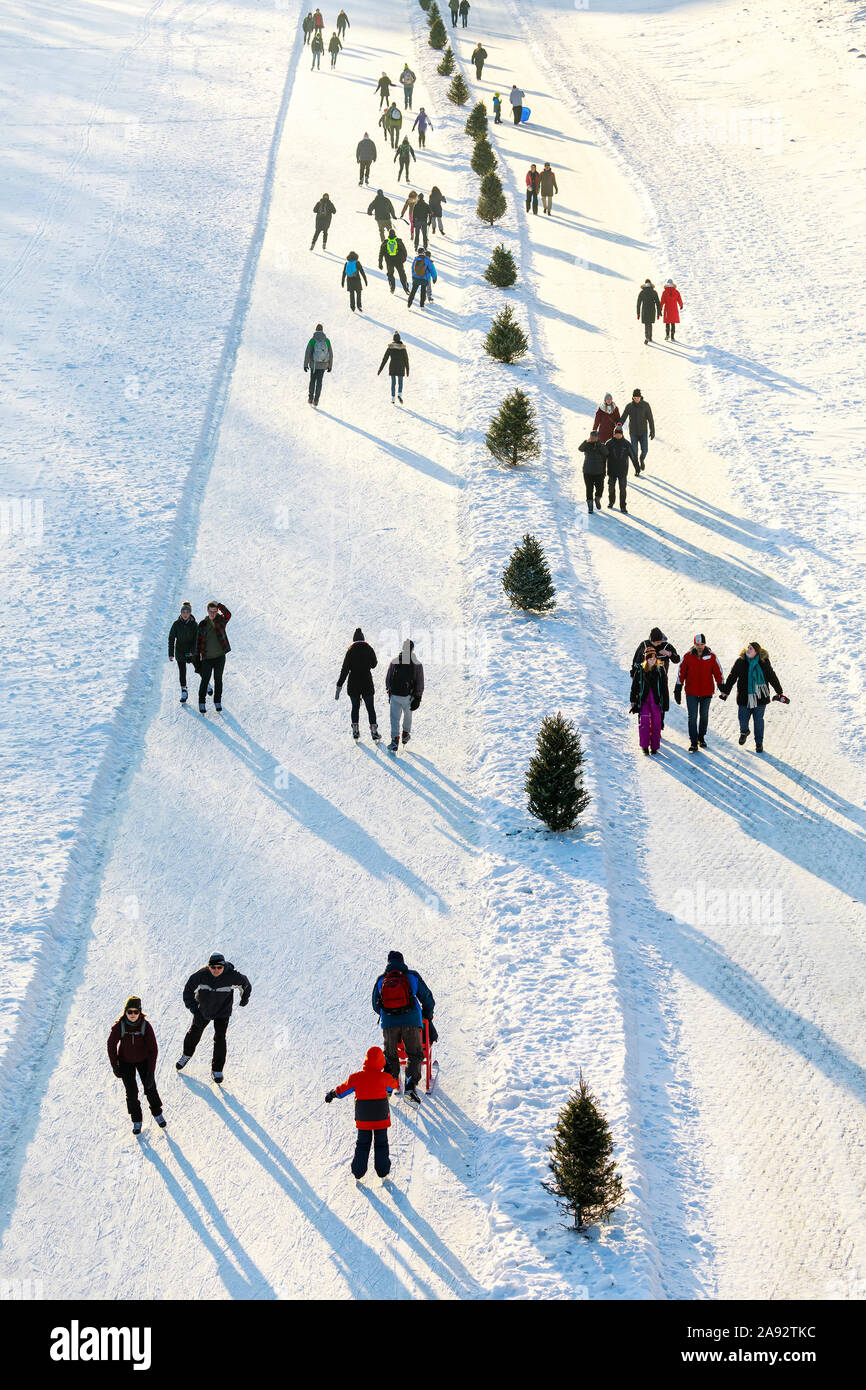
438	37
527	580
446	66
512	435
476	121
433	12
491	203
554	781
506	340
502	270
458	92
585	1180
483	159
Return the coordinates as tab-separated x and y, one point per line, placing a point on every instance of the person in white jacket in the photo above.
517	98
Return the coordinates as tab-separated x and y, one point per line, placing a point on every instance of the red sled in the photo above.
431	1066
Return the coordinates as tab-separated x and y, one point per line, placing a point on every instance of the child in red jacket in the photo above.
371	1088
132	1049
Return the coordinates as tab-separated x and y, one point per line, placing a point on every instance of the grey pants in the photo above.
400	704
411	1039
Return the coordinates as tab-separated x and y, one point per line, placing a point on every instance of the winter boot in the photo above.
742	739
759	747
218	1077
356	731
201	707
412	1094
646	752
406	737
136	1126
399	398
181	1062
693	748
702	743
218	708
624	509
160	1120
184	695
589	508
393	745
374	733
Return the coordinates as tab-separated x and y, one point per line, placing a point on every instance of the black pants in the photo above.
532	197
193	1038
420	230
618	476
353	284
316	374
478	67
381	1157
181	669
341	31
670	331
411	1039
364	171
422	138
391	271
403	168
416	284
148	1084
516	113
593	488
454	13
465	20
648	332
334	59
320	232
355	698
211	667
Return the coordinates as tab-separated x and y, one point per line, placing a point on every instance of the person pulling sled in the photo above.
404	1003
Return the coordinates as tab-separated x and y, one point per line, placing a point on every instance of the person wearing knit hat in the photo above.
671	303
181	645
357	671
371	1088
594	468
641	425
397	359
132	1052
402	1000
648	309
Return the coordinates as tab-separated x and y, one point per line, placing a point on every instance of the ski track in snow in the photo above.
270	835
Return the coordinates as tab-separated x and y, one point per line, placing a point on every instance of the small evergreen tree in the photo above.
446	67
491	203
432	12
425	4
502	270
512	435
585	1180
438	36
554	781
483	158
458	92
506	340
476	121
526	579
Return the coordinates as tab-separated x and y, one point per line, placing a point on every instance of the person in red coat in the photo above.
699	672
371	1088
132	1049
671	302
606	417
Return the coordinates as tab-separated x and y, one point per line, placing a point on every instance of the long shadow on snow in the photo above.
312	810
399	451
455	812
725	361
246	1282
733	528
557	254
349	1255
423	1242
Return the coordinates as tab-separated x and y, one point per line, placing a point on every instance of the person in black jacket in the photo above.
464	11
383	210
619	451
209	995
594	465
181	645
392	256
640	424
420	220
211	648
404	685
324	210
665	652
398	365
353	274
435	201
479	56
343	24
404	154
649	700
648	309
356	671
753	674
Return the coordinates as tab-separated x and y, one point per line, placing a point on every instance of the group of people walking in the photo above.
540	181
203	646
607	453
404	680
650	308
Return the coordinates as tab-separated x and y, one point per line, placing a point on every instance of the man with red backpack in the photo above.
403	1001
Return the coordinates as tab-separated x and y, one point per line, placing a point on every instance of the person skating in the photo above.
464	11
383	87
317	48
403	1001
397	359
404	685
479	57
409	207
665	652
318	359
392	256
324	210
334	47
420	221
391	122
594	466
353	274
407	82
649	700
435	201
318	22
497	109
383	210
620	451
365	155
357	672
307	27
454	7
132	1052
533	179
343	24
371	1088
422	124
402	158
753	675
699	672
181	646
516	98
639	417
423	272
648	309
548	187
211	648
671	303
606	418
209	996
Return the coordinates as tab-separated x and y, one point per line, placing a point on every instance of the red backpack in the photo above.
395	992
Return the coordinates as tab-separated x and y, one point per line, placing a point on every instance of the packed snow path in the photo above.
272	837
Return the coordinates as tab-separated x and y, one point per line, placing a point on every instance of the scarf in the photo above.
759	691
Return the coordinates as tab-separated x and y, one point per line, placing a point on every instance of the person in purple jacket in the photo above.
422	124
132	1052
